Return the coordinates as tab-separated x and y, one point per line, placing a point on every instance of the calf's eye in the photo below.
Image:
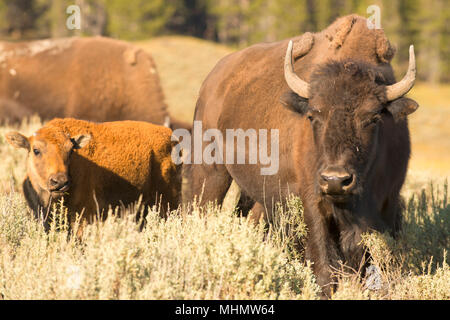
36	152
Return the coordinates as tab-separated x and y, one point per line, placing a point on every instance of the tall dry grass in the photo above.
207	253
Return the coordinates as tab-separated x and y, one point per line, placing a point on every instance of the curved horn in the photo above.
294	82
400	88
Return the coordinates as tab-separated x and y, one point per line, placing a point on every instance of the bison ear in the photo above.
294	102
402	107
81	140
17	140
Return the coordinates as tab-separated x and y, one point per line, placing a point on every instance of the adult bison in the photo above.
94	166
343	134
98	79
13	112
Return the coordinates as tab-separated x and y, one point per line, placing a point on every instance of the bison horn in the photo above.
232	197
400	88
294	82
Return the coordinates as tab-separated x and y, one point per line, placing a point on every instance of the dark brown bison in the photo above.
245	87
343	137
97	79
97	165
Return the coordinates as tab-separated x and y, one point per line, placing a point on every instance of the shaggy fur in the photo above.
120	161
247	90
12	112
97	79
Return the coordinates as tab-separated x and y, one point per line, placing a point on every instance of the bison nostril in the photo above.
58	182
347	181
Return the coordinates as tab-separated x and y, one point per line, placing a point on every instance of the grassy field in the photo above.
219	255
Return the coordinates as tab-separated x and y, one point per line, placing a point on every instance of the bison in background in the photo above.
13	112
97	79
94	166
343	134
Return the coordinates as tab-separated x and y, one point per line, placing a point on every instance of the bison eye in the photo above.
372	120
36	152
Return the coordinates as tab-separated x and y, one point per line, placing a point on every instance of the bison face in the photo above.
346	141
48	158
346	104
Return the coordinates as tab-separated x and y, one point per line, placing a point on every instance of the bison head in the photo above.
346	102
49	151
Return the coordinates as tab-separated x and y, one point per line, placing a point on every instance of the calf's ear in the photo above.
81	140
17	140
401	108
294	102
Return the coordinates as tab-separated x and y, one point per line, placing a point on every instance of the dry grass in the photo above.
183	257
207	253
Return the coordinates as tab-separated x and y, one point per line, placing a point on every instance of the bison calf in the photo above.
95	166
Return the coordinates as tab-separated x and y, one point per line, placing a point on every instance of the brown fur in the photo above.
97	79
13	112
250	83
247	90
121	161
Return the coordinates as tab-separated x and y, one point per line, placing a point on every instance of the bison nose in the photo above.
336	181
58	182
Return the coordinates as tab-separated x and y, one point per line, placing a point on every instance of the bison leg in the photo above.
257	213
208	182
321	248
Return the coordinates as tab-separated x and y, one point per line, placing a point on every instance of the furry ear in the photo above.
385	51
302	45
294	102
80	140
17	140
339	31
402	107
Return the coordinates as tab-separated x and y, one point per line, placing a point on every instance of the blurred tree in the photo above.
19	17
94	16
273	24
433	34
240	23
138	19
444	43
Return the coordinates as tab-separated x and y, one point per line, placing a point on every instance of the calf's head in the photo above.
346	102
49	151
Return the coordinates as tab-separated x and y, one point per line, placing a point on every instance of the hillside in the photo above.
183	63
